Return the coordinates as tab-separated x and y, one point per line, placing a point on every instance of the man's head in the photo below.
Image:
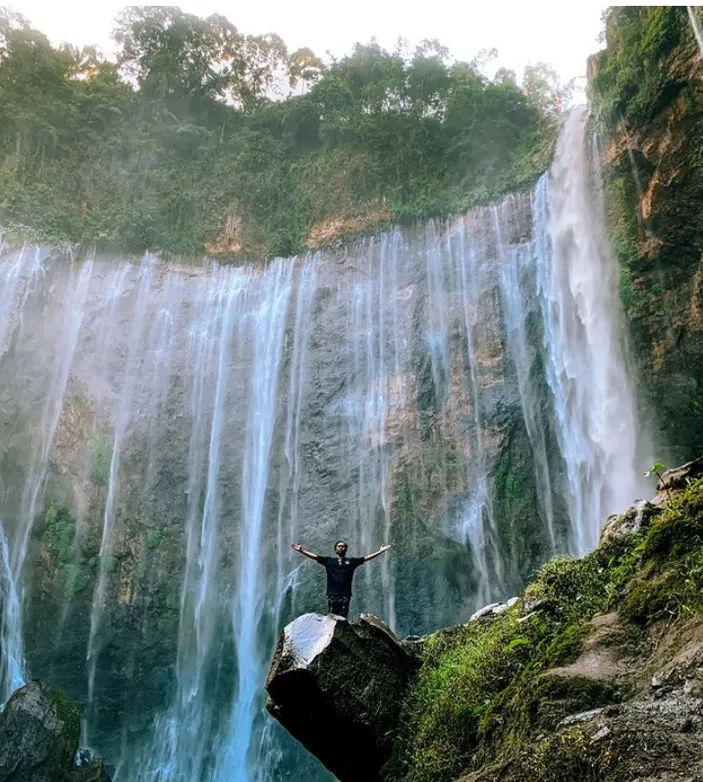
340	548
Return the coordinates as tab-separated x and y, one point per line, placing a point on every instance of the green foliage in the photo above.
576	586
484	691
656	469
621	217
66	548
153	538
76	579
461	675
59	534
203	139
101	457
509	483
668	563
632	78
109	563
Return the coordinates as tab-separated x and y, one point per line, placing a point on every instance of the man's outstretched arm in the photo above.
378	553
297	547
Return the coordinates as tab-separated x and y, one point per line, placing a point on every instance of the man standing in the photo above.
340	573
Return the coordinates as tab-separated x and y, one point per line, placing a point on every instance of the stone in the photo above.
89	767
678	477
622	526
39	734
493	609
338	687
531	605
603	733
485	611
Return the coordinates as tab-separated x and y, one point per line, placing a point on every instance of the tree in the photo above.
305	69
195	127
175	56
545	90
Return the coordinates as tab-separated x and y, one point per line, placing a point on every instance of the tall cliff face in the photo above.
457	389
647	90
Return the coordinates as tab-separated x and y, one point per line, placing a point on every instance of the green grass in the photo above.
482	694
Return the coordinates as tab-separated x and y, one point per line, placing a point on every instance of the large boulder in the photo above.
338	688
39	734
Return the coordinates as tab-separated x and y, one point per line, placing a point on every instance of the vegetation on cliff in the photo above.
203	139
491	693
632	82
647	102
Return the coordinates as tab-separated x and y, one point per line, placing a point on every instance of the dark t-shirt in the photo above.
339	576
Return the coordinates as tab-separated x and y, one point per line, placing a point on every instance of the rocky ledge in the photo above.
39	735
594	673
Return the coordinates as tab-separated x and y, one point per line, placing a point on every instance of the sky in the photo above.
559	33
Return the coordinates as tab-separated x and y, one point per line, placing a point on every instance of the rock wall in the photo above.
647	91
396	400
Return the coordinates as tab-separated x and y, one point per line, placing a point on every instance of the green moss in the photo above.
76	579
575	587
153	538
563	757
667	565
565	647
485	691
633	78
59	534
68	713
626	292
101	456
109	563
67	549
508	483
621	217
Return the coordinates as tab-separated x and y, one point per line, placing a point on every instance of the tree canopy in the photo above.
200	138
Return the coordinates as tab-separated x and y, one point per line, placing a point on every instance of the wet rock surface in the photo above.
338	688
39	734
652	172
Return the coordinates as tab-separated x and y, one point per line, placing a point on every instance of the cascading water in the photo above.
516	289
428	388
696	28
577	283
11	650
247	606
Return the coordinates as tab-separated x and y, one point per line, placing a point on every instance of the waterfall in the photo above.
696	29
11	645
132	369
593	400
268	324
457	390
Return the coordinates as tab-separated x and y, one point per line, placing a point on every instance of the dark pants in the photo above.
338	605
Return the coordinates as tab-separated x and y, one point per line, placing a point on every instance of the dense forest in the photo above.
201	139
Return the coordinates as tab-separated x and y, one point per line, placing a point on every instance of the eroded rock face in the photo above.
619	527
338	687
654	191
39	734
679	477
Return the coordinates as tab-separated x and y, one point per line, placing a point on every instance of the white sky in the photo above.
561	34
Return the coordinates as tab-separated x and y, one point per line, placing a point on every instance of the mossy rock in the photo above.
488	691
